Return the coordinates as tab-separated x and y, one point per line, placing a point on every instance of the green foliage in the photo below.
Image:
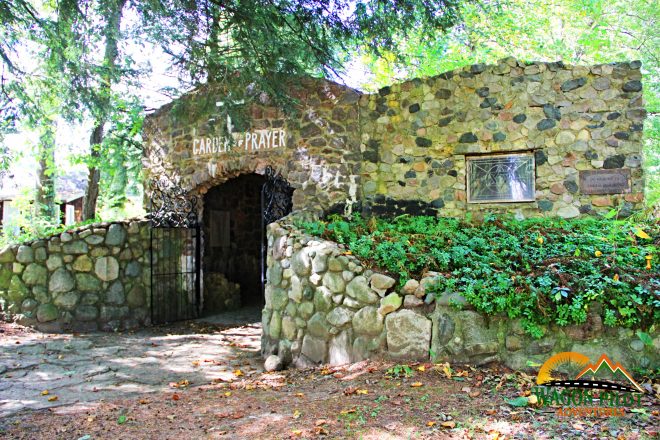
74	63
645	338
253	50
540	270
583	31
576	32
254	39
517	402
75	52
652	156
118	157
399	371
33	231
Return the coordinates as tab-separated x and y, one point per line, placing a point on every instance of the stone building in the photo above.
531	139
534	138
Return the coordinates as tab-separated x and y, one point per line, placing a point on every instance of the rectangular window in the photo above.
500	178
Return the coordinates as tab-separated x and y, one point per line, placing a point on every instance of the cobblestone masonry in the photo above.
404	149
320	157
417	134
92	278
323	306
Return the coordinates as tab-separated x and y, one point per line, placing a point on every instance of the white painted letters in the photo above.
267	136
275	134
251	141
255	146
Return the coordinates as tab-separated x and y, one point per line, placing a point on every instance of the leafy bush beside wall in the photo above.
542	270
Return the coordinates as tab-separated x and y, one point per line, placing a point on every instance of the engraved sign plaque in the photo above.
615	181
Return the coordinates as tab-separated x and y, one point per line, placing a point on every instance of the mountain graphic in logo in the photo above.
605	365
603	368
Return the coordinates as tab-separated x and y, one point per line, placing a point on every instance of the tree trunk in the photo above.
45	192
111	34
92	191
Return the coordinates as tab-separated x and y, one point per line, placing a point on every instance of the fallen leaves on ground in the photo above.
180	384
309	404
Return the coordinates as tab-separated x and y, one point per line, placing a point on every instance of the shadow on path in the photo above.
83	369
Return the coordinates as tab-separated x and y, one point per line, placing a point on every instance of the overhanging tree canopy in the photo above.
259	44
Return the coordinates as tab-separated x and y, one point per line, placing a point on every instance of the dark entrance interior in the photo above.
232	245
235	216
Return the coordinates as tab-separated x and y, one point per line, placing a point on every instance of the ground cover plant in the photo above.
542	270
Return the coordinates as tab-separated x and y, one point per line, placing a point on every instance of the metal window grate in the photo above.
500	178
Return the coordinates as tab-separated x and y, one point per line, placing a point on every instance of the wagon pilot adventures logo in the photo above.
579	387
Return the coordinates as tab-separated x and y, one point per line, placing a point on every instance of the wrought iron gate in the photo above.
275	203
175	254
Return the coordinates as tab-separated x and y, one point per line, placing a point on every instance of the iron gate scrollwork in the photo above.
175	254
275	203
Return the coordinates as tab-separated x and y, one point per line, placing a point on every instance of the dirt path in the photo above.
204	381
362	401
40	370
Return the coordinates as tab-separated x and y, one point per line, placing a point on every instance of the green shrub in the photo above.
541	270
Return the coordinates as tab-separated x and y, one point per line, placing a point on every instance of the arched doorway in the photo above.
234	220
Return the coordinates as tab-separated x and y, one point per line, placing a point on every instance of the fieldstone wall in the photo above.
416	135
324	306
96	277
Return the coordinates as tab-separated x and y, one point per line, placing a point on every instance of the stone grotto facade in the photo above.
531	139
571	135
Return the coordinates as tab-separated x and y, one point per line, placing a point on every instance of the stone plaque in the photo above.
605	181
